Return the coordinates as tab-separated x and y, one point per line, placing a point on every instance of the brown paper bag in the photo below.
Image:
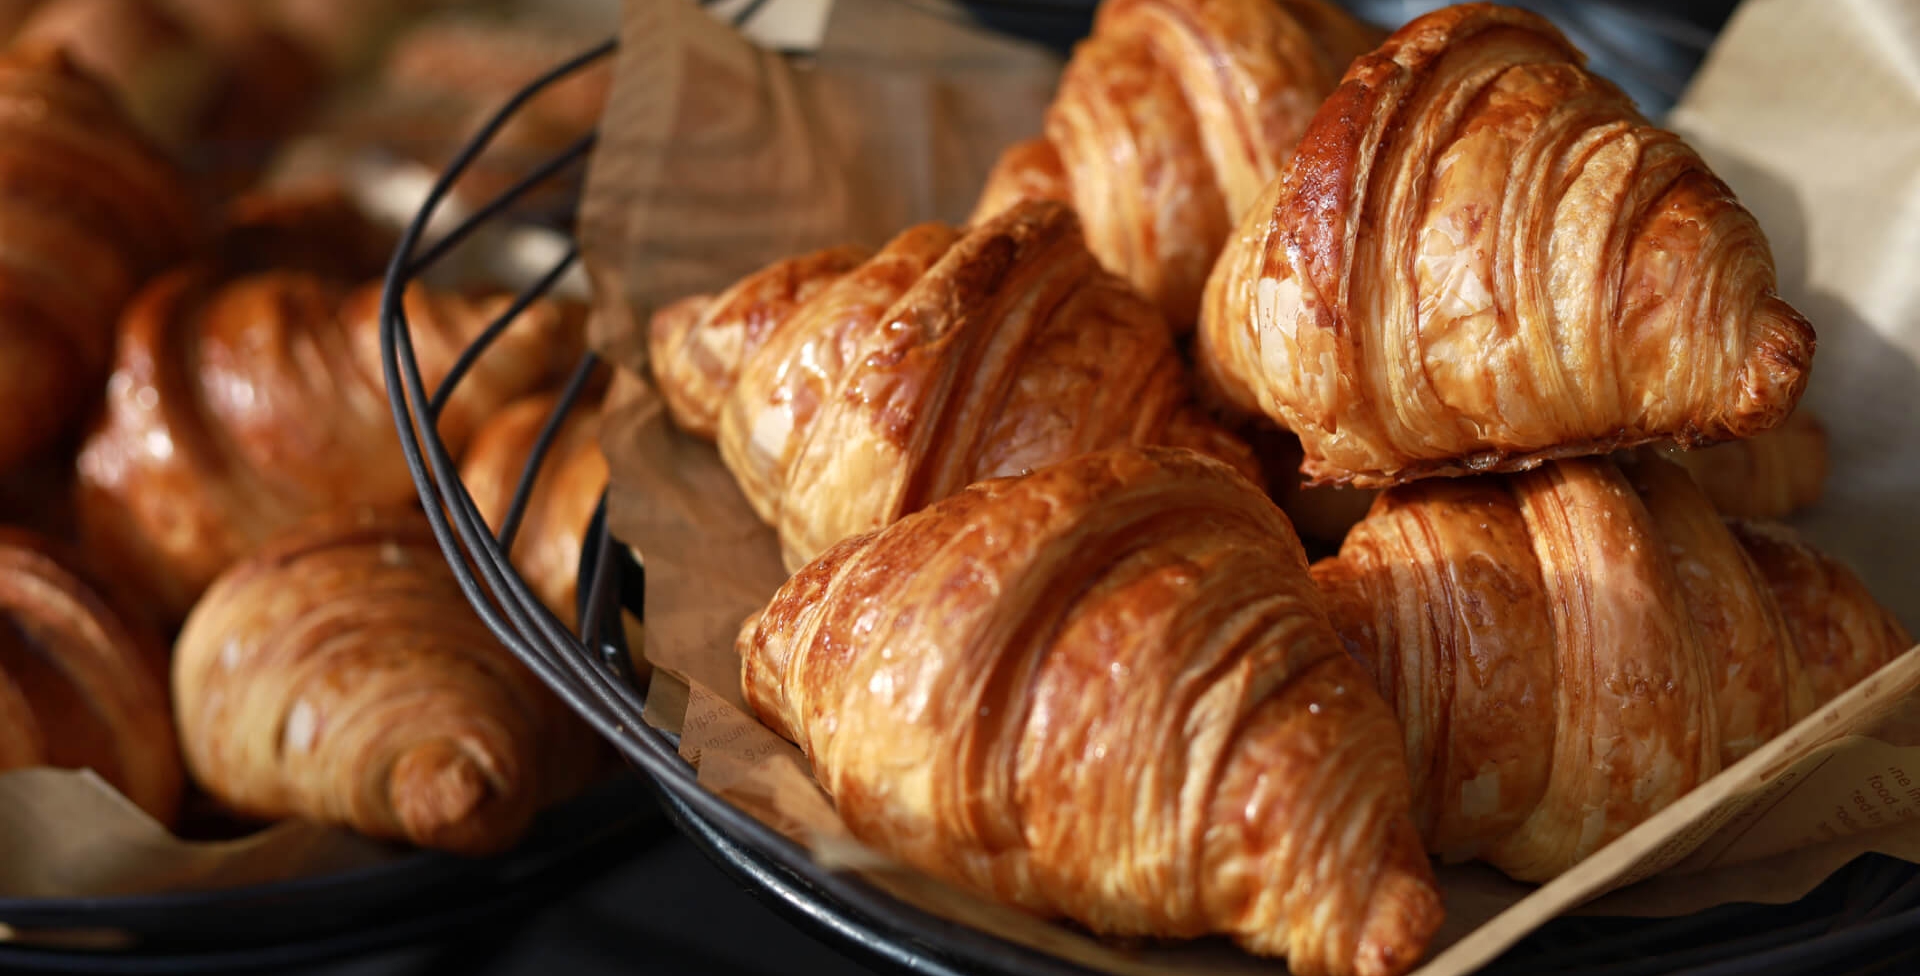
692	189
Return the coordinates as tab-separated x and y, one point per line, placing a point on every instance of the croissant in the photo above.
339	674
846	391
239	405
14	13
81	684
1169	121
546	549
106	209
1106	691
1572	648
156	66
1482	256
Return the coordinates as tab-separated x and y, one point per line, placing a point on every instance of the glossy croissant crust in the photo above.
1107	691
81	684
1169	121
1572	648
1482	256
105	210
847	390
242	403
339	674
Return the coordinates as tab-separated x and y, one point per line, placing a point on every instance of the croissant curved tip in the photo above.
447	799
1779	361
1405	910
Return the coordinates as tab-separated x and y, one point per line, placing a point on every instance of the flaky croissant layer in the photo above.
1572	648
1107	691
338	674
847	390
1482	256
1170	119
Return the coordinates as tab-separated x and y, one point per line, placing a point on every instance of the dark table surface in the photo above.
667	911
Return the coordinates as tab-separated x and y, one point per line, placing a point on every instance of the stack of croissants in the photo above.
217	590
1444	303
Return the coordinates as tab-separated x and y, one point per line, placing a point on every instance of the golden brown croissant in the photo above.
546	548
218	80
1107	691
847	391
157	67
104	211
239	405
339	674
81	684
1170	120
1572	648
1482	256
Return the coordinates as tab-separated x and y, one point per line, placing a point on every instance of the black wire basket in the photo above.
1862	920
411	900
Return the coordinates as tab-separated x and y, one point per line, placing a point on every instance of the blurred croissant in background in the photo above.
565	491
82	684
107	209
248	393
200	76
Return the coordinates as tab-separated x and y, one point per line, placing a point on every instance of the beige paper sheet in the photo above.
122	851
1843	782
